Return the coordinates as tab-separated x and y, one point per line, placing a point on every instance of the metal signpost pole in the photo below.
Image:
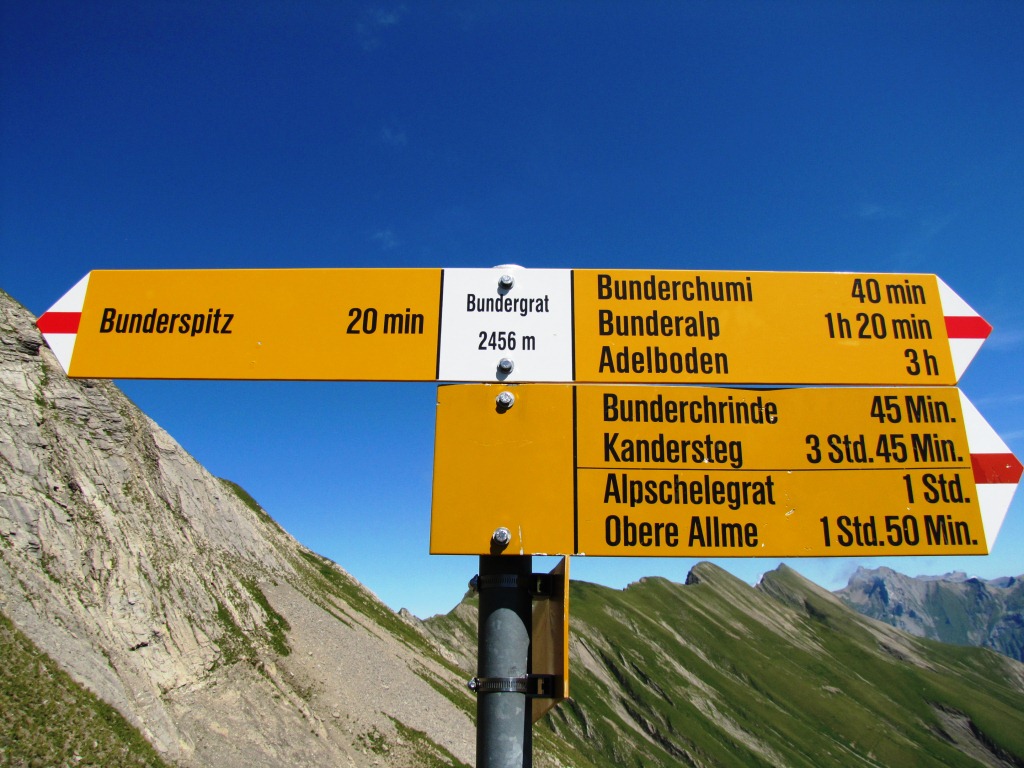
504	722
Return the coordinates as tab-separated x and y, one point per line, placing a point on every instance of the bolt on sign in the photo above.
510	324
717	472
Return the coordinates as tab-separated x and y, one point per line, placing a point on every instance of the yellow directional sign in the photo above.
695	472
288	324
511	324
647	326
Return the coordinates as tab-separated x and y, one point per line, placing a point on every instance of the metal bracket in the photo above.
537	584
537	686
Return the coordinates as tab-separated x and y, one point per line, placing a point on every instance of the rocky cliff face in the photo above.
175	598
952	608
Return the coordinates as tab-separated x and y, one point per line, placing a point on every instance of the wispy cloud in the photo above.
385	238
877	212
912	230
393	137
1000	400
1005	338
375	21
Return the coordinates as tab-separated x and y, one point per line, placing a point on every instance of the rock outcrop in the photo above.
174	597
952	608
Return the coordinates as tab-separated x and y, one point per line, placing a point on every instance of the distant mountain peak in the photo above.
954	607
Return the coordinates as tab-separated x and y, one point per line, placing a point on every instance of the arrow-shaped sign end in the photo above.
59	324
997	471
965	328
996	476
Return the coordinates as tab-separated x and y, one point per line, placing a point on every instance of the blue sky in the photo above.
783	136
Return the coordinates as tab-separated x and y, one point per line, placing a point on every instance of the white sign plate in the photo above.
528	323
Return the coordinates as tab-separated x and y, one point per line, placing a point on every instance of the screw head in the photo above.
505	400
505	365
506	282
501	536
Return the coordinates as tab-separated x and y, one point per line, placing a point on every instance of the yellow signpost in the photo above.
712	327
511	324
715	472
288	324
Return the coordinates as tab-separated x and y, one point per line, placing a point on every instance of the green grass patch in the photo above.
234	644
428	753
47	719
246	498
458	697
332	582
276	624
374	741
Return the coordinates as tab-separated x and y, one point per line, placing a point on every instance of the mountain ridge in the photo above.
953	608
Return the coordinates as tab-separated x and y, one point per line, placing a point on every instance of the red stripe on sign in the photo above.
967	327
59	322
996	468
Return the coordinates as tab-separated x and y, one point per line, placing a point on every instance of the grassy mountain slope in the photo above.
717	673
49	719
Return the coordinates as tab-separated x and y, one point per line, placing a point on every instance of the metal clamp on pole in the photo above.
537	584
537	686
